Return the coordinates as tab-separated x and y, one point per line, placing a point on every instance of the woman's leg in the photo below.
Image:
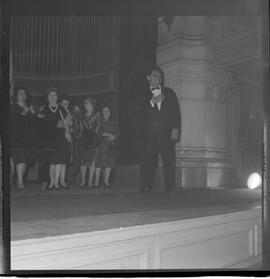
63	176
83	175
57	174
107	172
91	175
52	176
97	176
20	170
11	170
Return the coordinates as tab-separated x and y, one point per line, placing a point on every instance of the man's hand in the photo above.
111	137
174	134
157	99
32	109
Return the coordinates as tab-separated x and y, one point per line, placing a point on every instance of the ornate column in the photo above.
203	89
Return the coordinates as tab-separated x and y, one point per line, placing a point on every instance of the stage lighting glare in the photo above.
254	181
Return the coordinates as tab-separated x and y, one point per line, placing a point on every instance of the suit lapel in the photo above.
149	96
163	104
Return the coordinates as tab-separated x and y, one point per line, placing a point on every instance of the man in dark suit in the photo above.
161	129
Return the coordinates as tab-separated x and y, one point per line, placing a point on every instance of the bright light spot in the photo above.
254	181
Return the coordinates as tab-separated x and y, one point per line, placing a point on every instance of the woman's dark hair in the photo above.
15	95
51	89
108	107
154	68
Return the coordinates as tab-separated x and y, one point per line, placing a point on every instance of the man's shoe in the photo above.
170	191
147	190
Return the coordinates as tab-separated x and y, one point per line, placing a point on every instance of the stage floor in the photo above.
36	216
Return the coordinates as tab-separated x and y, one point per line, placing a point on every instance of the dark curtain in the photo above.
138	41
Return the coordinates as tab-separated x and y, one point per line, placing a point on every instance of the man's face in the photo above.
76	110
65	103
154	78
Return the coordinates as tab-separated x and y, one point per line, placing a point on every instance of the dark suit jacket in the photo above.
160	123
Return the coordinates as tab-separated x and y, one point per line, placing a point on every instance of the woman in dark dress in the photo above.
55	113
105	160
90	126
21	156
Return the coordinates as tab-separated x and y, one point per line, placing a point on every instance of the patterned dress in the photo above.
103	158
89	137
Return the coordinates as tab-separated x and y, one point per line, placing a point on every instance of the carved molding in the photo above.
72	85
203	163
235	38
201	152
218	93
225	29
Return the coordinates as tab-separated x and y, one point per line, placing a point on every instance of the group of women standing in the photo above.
80	133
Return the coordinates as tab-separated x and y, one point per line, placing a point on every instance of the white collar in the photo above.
153	88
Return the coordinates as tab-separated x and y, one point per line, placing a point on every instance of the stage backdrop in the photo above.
79	55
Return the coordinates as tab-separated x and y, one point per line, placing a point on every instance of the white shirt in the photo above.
156	92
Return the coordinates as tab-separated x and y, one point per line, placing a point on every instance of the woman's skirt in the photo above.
103	158
62	153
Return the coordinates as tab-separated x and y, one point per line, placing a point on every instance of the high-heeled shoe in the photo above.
63	184
82	184
20	186
90	185
107	185
44	186
51	185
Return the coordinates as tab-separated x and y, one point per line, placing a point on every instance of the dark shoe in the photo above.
147	190
44	186
83	183
170	191
63	185
20	187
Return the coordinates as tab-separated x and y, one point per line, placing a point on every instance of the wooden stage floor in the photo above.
74	211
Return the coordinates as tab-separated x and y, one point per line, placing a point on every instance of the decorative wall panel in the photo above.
63	44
